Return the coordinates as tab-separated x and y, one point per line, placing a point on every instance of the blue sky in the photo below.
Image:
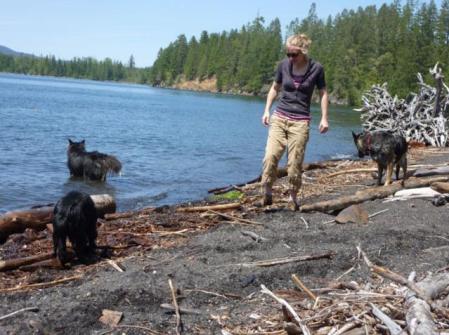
118	28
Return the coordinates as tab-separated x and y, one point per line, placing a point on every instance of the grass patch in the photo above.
231	195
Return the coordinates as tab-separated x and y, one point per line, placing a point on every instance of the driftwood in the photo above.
27	309
40	285
175	304
10	264
37	218
440	187
291	311
421	119
439	171
281	172
234	218
368	194
285	260
419	299
234	205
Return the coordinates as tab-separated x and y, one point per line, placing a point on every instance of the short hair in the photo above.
300	41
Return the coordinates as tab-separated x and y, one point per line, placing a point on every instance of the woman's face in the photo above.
295	55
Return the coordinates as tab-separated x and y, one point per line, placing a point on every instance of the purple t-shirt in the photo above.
296	98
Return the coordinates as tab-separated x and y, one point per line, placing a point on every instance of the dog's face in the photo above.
76	146
359	143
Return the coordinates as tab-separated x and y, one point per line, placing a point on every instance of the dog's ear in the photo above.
83	142
354	135
70	141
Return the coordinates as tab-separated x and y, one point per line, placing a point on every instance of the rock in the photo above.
110	318
439	200
355	214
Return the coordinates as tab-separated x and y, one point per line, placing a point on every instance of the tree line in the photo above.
84	68
358	48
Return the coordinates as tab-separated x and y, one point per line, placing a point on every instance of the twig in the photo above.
377	213
305	222
175	303
301	285
347	327
168	233
386	273
234	205
31	309
285	260
182	310
392	326
351	171
40	285
284	303
115	265
345	273
230	217
208	292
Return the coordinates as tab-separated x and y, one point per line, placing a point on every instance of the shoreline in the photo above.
214	264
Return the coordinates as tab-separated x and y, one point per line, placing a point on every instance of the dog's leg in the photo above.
404	168
397	166
380	171
389	173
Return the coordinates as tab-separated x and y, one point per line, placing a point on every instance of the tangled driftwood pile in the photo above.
423	118
396	306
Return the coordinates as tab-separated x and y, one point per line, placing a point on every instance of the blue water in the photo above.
174	145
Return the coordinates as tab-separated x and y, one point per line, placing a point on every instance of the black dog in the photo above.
75	217
90	165
386	149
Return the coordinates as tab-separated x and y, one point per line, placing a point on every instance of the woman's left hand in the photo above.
324	126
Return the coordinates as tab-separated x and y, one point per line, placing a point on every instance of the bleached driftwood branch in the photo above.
422	118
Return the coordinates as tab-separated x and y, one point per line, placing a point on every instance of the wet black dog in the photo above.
388	150
75	218
90	165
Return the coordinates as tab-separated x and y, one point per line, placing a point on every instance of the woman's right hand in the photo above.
266	118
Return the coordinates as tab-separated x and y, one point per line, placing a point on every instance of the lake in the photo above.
174	145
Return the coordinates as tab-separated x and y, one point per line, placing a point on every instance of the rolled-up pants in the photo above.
283	134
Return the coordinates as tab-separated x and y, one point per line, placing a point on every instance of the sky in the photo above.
118	29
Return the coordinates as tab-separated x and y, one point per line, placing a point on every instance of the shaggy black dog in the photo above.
90	165
75	217
388	150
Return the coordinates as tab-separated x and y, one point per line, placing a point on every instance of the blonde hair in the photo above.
300	41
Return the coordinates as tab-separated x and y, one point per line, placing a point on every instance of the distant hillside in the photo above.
10	52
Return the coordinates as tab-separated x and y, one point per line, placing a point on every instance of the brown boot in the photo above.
293	206
267	200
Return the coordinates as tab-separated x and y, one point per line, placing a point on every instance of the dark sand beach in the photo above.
214	265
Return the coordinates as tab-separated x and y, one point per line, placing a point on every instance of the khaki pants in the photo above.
285	134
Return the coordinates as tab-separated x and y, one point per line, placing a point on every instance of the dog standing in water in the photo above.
75	218
388	150
90	165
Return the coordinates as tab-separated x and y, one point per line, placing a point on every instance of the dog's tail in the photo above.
110	164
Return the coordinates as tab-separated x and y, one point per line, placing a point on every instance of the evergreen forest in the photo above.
358	48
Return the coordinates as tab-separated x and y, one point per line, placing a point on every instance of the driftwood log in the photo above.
10	264
368	194
440	187
281	172
422	118
37	218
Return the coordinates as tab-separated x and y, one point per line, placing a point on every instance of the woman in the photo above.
296	77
